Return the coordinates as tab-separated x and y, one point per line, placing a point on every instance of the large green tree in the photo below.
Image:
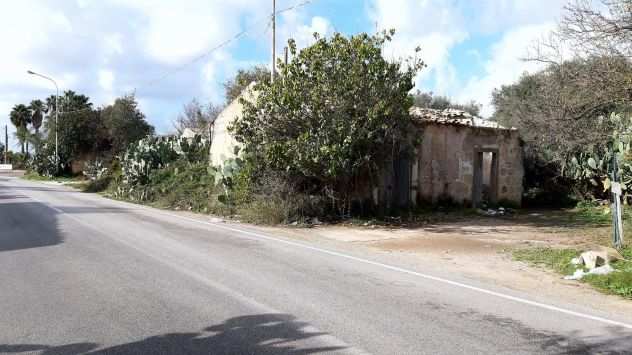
78	124
336	114
37	114
125	123
37	117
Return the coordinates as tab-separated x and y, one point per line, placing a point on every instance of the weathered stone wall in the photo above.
223	143
445	163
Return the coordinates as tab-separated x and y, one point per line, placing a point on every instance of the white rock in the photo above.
592	259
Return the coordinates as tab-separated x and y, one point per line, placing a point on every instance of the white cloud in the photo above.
300	27
499	15
174	32
435	26
441	26
106	79
108	48
505	66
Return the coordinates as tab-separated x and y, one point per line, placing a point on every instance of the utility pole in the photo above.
617	223
6	143
273	68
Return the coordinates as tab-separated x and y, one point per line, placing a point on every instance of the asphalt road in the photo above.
83	274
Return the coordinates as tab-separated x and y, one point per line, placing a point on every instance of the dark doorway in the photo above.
485	187
401	192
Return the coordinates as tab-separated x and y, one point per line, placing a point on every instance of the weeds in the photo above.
559	260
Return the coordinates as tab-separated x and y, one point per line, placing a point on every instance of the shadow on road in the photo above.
59	189
254	334
25	225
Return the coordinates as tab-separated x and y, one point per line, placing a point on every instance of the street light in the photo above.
56	112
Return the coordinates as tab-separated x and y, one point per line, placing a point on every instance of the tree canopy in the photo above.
557	109
124	123
197	117
337	111
243	78
20	117
429	100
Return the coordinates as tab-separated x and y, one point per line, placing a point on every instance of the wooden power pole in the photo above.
6	143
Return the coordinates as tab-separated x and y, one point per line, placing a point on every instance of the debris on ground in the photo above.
491	212
580	273
596	261
593	258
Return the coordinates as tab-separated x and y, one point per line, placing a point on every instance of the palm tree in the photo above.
21	117
37	116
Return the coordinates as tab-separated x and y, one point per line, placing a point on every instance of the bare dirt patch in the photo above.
479	248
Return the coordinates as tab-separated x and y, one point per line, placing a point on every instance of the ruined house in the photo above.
461	159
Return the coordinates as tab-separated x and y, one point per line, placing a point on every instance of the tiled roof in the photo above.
453	117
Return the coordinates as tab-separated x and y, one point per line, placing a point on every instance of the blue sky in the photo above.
106	48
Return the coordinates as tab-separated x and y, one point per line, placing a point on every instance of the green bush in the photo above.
183	186
98	185
263	211
43	162
147	162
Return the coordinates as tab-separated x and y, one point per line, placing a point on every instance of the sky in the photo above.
168	52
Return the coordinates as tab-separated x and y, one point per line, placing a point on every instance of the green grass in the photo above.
591	213
558	260
616	283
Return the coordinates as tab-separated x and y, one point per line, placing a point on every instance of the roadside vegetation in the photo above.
594	219
618	282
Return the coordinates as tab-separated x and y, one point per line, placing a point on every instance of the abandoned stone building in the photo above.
462	159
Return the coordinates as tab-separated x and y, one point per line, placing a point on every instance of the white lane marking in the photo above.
395	268
405	271
325	338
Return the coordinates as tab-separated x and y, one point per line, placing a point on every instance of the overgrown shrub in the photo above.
273	199
43	161
184	186
339	114
149	155
94	170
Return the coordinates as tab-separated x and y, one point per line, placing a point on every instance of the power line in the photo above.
224	43
215	48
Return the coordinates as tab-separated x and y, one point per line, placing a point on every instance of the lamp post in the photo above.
56	112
